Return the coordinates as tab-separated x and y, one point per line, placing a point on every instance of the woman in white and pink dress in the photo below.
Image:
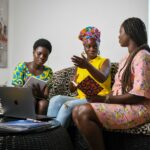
128	105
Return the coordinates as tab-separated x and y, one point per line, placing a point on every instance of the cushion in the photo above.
143	129
60	82
114	68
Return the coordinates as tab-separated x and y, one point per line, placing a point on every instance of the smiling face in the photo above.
40	55
123	37
91	48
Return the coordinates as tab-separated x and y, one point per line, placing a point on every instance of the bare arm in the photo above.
100	75
119	99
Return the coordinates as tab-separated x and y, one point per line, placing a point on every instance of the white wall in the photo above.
60	21
149	21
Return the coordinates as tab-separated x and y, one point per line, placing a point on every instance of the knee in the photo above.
55	99
75	112
43	103
80	112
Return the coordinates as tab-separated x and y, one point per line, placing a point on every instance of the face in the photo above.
91	48
123	37
40	55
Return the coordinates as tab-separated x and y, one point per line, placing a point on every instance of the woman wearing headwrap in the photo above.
93	65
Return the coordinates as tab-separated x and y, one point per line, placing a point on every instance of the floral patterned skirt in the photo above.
117	116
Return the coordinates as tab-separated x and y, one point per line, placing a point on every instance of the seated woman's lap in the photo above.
115	116
55	104
64	114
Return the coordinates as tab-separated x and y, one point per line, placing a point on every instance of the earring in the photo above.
84	54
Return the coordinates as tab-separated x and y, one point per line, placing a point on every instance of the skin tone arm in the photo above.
100	75
119	99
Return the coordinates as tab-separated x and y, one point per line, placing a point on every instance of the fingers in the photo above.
36	86
76	77
78	61
46	92
83	56
36	90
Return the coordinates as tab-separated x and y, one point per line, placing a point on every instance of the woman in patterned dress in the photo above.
128	105
41	50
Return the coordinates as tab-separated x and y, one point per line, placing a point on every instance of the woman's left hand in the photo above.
39	93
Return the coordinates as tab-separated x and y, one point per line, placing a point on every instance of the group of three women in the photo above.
127	105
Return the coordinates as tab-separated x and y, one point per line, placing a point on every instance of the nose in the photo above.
43	58
92	48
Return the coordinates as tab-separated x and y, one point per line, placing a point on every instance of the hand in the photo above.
46	91
80	62
39	93
95	99
73	80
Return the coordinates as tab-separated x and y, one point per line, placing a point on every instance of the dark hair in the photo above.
43	43
136	30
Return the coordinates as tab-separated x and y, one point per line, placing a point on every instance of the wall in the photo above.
60	21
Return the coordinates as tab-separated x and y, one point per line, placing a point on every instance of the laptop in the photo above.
19	103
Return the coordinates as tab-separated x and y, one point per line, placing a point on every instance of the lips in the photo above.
41	61
92	53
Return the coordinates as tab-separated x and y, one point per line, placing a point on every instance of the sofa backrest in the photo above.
61	79
114	68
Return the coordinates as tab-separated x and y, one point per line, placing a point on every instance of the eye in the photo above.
39	53
95	46
87	46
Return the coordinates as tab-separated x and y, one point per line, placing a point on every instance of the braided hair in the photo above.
136	30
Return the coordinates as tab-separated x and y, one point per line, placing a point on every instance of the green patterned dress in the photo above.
21	74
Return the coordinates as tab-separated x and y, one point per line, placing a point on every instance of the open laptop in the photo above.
19	103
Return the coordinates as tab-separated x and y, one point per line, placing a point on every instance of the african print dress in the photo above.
119	116
21	74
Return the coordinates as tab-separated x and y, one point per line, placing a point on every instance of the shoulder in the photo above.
141	59
21	65
100	58
103	60
48	69
142	55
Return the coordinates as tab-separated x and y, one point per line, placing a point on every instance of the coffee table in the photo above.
56	138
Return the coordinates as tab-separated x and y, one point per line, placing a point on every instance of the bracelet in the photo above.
107	100
74	83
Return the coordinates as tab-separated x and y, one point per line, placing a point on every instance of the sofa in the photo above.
137	138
